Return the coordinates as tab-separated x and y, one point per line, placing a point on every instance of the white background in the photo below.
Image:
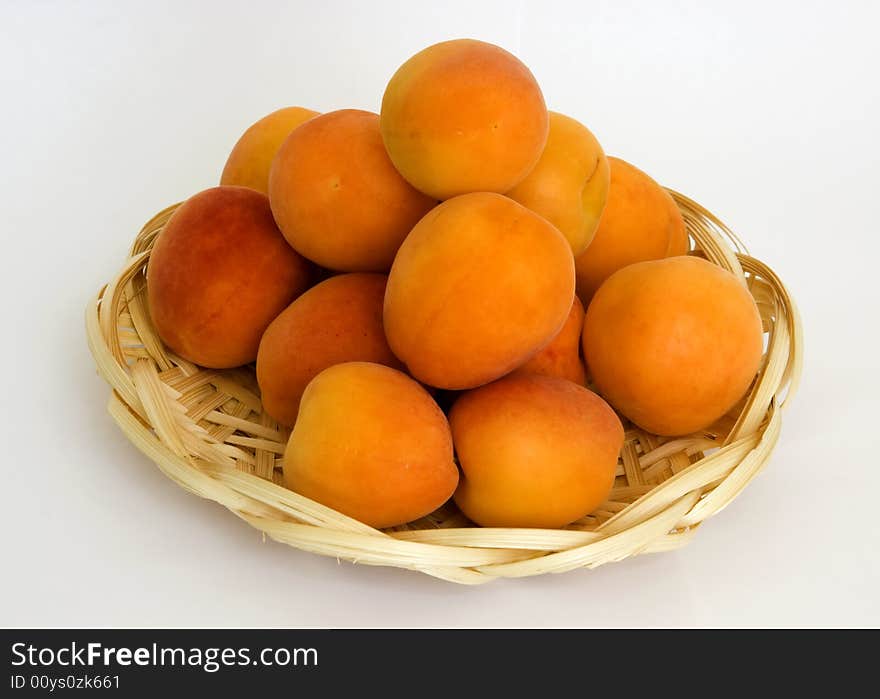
766	112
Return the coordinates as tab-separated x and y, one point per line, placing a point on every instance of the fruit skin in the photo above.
679	242
535	451
640	222
371	443
251	158
569	185
464	116
219	273
672	344
336	196
479	286
339	320
562	357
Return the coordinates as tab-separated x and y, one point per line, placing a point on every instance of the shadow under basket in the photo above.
205	429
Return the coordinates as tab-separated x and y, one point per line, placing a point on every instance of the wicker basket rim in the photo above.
205	430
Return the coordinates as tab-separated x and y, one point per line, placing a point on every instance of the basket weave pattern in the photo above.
205	429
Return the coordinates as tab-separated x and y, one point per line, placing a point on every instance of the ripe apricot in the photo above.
562	357
673	344
638	223
569	185
463	116
219	273
535	451
250	160
479	286
336	196
339	320
371	443
679	243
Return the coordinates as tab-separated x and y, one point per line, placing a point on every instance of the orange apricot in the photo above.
463	116
336	196
219	273
371	443
562	357
535	451
479	286
638	223
339	320
673	344
569	185
679	242
251	158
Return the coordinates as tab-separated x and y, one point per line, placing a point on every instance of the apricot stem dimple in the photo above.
593	171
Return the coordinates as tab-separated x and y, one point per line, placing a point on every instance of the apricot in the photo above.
639	223
219	273
535	451
679	242
479	286
337	197
339	320
464	116
569	185
371	443
562	357
251	158
673	344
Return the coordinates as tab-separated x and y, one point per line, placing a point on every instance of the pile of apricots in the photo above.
412	285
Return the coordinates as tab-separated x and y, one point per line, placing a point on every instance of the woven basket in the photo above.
205	429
